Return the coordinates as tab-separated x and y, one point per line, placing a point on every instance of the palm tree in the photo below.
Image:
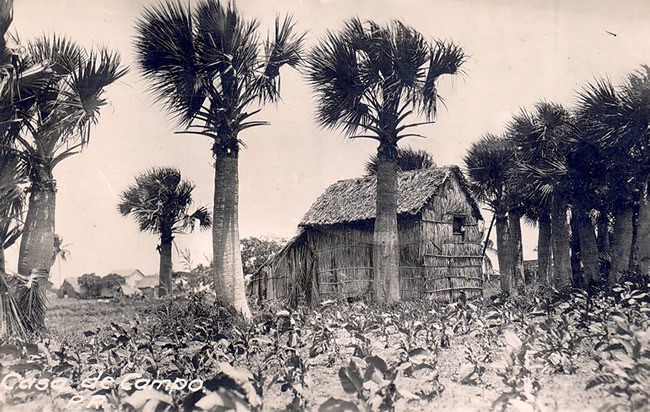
611	124
407	159
369	80
489	163
60	252
51	122
159	201
541	178
208	65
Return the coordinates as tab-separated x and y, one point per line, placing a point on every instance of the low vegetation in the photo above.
536	351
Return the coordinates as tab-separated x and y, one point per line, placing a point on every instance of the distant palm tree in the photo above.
159	201
60	252
369	79
489	163
62	88
208	65
407	159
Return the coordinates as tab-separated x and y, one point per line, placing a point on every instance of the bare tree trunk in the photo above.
165	278
588	250
514	223
560	243
37	243
385	253
544	249
228	271
504	253
621	244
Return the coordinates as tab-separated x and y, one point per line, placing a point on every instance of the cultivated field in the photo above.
525	354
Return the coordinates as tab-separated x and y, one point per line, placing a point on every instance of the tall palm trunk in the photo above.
621	244
576	259
514	223
588	249
560	243
544	249
504	252
165	281
643	234
604	246
228	271
385	242
37	242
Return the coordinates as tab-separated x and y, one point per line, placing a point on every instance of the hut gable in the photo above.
354	200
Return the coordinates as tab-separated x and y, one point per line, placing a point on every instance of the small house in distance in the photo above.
149	285
131	279
331	256
70	288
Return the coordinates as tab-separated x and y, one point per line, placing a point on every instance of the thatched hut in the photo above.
331	256
71	288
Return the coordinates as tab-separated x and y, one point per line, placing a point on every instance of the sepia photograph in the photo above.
324	205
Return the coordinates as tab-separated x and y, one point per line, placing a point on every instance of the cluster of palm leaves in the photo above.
581	174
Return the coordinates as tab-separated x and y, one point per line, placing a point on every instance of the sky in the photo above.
520	52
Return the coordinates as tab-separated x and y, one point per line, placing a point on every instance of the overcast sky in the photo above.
520	52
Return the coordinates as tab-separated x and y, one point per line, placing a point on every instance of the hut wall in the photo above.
343	259
452	261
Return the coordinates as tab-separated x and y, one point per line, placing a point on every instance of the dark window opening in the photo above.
459	226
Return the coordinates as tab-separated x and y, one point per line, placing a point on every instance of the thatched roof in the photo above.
354	200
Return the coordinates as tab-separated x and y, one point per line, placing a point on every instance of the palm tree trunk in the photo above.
621	244
588	250
560	243
165	272
385	242
514	223
504	252
604	245
643	234
544	249
228	271
576	258
37	242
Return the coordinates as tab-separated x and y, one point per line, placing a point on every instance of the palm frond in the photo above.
31	299
11	319
285	48
167	57
407	159
445	58
488	163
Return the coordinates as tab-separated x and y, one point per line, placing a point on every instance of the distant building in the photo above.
131	279
70	288
149	285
